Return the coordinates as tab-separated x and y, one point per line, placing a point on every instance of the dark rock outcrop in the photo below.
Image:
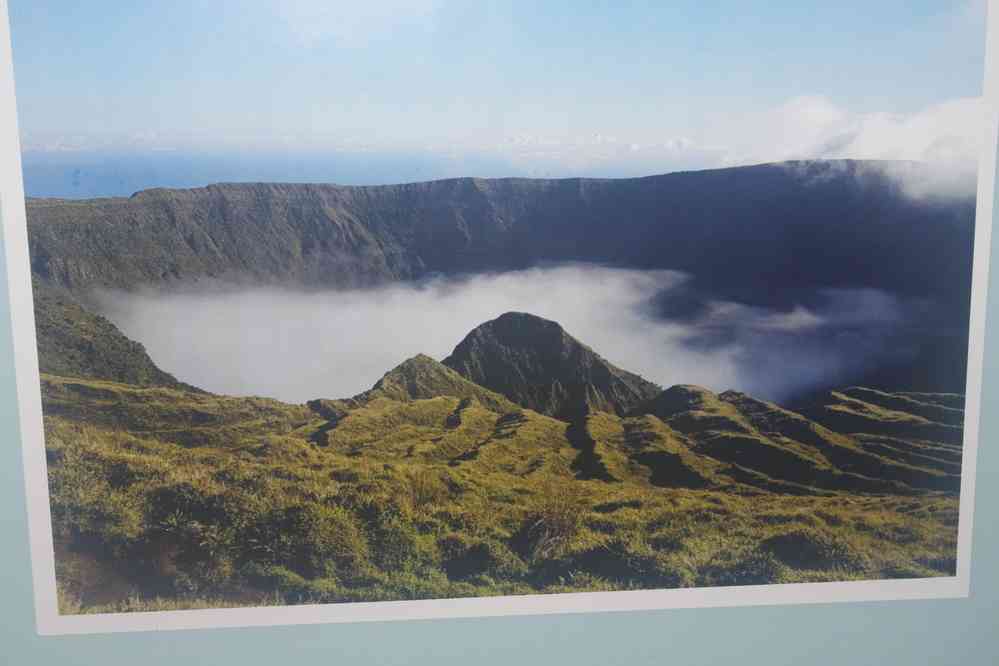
535	363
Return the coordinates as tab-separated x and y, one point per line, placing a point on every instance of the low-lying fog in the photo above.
295	345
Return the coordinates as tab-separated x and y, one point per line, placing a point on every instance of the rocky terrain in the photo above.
535	363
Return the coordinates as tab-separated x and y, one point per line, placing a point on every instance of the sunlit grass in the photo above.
403	501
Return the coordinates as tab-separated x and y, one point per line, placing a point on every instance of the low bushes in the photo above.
155	525
808	548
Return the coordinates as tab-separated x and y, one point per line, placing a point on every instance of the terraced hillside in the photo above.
431	485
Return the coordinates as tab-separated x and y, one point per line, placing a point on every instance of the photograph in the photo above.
339	305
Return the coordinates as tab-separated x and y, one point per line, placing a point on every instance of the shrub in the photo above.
746	568
808	548
268	577
85	507
189	538
398	546
313	540
462	558
552	524
168	506
620	560
425	490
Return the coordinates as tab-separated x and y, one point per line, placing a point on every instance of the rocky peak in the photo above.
537	364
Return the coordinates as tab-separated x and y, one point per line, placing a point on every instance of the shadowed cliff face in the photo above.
751	234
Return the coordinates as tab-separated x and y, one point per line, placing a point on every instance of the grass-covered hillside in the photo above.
431	486
75	342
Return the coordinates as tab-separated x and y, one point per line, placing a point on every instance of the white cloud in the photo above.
814	127
297	346
732	315
946	136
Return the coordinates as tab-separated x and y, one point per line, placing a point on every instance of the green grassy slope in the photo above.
74	342
422	377
166	498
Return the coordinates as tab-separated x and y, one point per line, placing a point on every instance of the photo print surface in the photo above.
339	306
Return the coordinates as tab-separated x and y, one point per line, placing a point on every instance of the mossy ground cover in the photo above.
402	499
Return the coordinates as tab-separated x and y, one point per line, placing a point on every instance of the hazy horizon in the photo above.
124	177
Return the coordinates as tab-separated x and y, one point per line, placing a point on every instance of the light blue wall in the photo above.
906	633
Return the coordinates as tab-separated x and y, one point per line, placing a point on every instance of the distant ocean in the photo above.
81	175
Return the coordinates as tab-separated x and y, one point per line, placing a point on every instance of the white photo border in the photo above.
14	241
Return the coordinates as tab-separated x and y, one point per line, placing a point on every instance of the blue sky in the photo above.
553	88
